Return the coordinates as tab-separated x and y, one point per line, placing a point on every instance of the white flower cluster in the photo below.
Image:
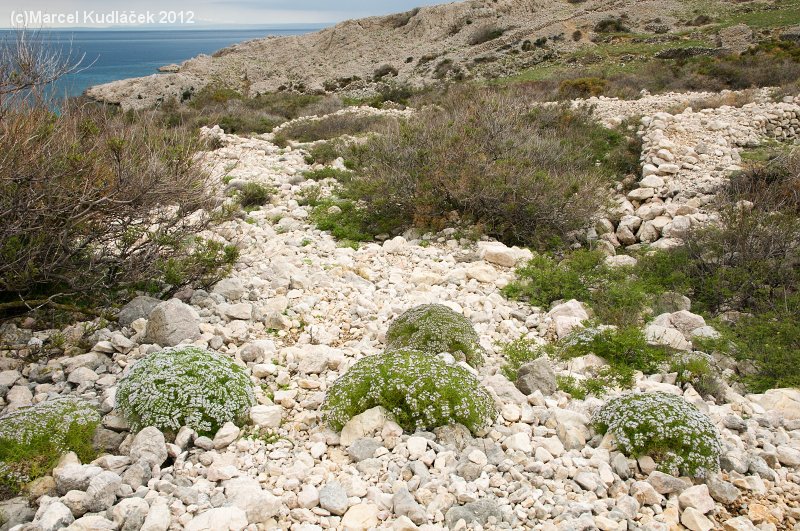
435	328
666	427
185	386
53	420
420	389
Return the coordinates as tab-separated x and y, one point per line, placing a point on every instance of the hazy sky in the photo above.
262	12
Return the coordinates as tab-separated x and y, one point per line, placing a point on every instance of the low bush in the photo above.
697	372
324	152
582	87
617	295
253	194
528	177
517	353
328	173
185	386
33	439
611	25
333	126
605	380
122	199
343	219
485	34
419	389
623	348
679	438
434	329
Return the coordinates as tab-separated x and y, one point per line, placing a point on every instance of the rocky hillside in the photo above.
299	311
474	38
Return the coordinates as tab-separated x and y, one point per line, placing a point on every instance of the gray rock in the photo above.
671	302
137	475
246	493
138	308
476	512
333	498
15	511
172	322
456	436
230	288
404	504
666	484
620	465
722	491
760	467
158	517
537	375
53	516
149	447
102	491
74	477
226	435
362	449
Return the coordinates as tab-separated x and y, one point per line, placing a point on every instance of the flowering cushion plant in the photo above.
666	427
185	386
435	328
32	439
421	390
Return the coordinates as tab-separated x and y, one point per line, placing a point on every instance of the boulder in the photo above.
698	498
171	323
333	498
149	447
537	375
139	308
785	402
670	337
478	512
363	425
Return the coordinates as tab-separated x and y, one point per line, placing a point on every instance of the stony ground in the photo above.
299	310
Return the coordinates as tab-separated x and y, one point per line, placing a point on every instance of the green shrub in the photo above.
680	439
606	379
617	295
611	25
419	389
332	126
343	219
33	439
582	87
620	347
253	194
185	386
767	346
328	173
697	371
528	177
517	353
433	329
485	34
324	152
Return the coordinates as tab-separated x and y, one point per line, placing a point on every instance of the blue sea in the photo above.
120	54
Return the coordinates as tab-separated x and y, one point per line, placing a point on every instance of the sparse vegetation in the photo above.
253	194
485	34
